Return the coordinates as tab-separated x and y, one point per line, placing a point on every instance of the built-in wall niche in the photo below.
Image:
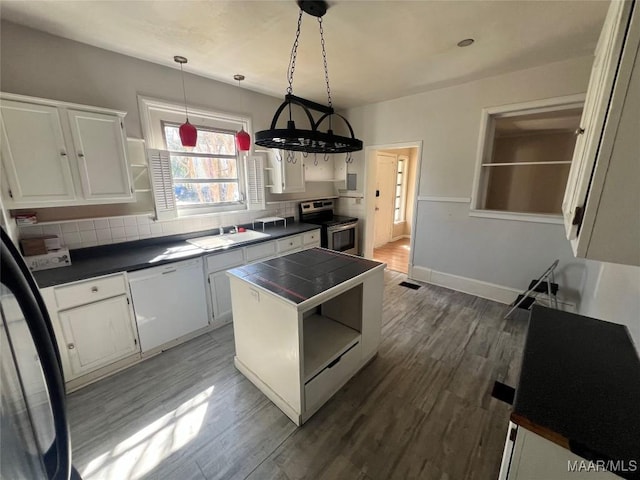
525	157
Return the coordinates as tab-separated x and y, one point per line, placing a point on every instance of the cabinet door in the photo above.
293	173
102	161
287	176
220	298
596	105
34	154
98	334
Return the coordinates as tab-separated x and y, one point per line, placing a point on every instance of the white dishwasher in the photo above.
169	301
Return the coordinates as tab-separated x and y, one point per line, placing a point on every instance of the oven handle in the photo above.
339	228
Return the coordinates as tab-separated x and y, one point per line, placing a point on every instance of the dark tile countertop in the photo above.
302	275
130	256
580	380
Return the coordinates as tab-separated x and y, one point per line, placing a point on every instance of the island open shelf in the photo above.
304	324
324	341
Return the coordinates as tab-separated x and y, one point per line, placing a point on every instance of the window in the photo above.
207	174
524	159
211	177
401	185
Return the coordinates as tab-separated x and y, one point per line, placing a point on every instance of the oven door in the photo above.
343	238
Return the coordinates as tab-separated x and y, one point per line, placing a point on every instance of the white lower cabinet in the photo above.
219	290
97	334
94	325
220	298
528	456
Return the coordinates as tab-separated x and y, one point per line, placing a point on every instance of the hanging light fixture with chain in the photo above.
312	140
188	133
243	139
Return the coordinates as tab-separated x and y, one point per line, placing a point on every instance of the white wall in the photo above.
503	252
612	292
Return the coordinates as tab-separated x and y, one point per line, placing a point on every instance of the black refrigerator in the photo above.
34	433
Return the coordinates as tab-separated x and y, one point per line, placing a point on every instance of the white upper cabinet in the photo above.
34	154
286	171
600	206
61	154
102	159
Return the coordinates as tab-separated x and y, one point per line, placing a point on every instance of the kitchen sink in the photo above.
212	242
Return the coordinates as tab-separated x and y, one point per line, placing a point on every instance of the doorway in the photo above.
393	191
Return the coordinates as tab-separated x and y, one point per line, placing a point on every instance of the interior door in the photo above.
385	194
102	159
34	153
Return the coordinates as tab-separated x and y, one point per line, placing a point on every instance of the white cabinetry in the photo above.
286	171
528	456
600	206
289	244
94	324
60	154
98	334
34	154
102	161
311	239
333	169
219	290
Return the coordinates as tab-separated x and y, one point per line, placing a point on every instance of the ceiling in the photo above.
376	50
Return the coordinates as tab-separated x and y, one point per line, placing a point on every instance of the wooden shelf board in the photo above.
324	340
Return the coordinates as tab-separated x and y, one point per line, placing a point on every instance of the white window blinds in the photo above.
255	182
162	184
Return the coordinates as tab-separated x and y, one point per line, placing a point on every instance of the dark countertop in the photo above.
302	275
580	380
130	256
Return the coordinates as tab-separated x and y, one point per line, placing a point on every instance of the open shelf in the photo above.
324	341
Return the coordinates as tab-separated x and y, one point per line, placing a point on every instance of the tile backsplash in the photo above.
105	231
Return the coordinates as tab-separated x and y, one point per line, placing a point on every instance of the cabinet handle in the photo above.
64	154
81	155
94	289
71	346
168	271
579	131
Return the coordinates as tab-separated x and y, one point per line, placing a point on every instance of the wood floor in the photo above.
394	254
421	409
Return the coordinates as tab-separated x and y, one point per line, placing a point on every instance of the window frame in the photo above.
485	151
403	190
154	113
199	207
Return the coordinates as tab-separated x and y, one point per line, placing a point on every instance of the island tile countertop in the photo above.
136	255
300	276
580	386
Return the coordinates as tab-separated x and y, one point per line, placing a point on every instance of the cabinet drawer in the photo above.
289	243
262	250
89	291
223	261
311	237
321	387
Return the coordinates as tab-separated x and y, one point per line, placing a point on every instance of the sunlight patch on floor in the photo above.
146	449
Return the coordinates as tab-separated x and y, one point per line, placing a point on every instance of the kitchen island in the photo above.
304	324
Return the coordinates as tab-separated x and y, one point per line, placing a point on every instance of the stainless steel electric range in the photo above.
338	232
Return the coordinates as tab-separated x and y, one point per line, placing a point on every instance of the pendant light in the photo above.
188	133
311	140
243	139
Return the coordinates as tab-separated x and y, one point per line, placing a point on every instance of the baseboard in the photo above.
479	288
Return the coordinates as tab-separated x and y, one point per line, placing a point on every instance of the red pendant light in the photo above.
188	133
243	139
